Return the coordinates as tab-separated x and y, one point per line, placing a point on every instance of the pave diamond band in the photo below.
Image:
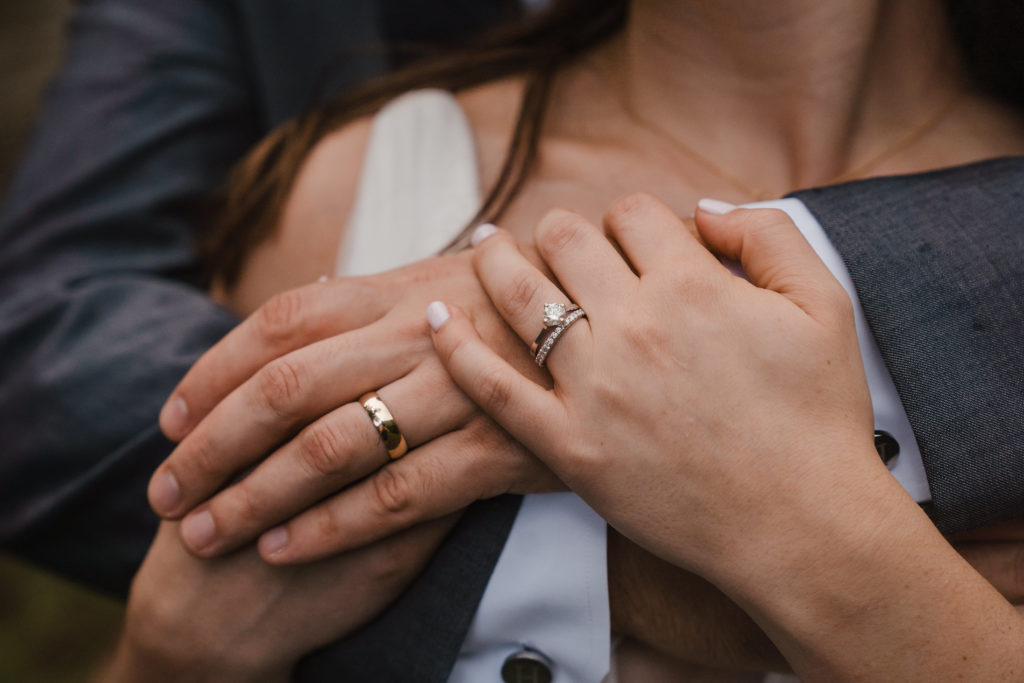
549	335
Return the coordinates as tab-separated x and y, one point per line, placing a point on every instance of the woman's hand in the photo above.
725	425
237	618
278	394
685	387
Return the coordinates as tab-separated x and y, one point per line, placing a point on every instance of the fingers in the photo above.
436	479
652	236
519	291
286	322
339	448
1001	563
269	408
581	258
774	254
531	414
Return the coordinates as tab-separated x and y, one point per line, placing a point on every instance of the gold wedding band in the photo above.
384	423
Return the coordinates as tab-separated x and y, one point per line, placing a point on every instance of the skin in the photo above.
289	373
237	619
639	423
591	150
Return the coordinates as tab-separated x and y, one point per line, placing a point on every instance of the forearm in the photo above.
131	663
859	597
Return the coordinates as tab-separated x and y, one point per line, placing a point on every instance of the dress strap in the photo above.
419	185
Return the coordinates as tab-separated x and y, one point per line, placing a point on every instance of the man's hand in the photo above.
278	394
239	619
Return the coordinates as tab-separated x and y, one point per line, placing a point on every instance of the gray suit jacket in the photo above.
938	263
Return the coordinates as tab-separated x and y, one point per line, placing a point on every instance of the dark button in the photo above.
887	446
526	666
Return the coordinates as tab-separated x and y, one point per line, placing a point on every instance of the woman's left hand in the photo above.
726	426
235	618
691	408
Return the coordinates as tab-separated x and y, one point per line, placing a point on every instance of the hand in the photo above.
669	359
725	426
238	618
278	393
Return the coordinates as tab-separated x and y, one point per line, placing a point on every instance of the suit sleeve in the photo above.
99	316
938	263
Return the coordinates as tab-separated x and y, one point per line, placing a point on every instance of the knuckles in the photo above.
761	220
494	390
203	458
558	230
626	207
522	292
280	385
279	319
393	490
322	448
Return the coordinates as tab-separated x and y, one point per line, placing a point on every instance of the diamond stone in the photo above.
554	314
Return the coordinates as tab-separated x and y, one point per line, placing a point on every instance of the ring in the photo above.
557	319
384	423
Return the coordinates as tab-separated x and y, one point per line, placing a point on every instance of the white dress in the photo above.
418	188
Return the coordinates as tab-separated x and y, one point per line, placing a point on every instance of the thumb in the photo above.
772	251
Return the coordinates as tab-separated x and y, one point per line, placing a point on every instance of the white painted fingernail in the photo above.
273	541
437	314
482	232
715	206
322	278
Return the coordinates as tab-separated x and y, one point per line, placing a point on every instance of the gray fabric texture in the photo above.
938	263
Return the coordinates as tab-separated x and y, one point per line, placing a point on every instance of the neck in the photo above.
788	93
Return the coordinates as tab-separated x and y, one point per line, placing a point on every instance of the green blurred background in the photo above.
50	631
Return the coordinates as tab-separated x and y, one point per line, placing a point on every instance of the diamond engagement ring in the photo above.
555	314
557	319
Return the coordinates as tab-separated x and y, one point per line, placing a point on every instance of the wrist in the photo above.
139	656
837	598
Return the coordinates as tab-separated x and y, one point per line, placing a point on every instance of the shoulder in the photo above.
324	192
325	189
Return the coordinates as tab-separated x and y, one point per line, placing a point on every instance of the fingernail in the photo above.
198	530
482	232
437	314
174	417
273	541
322	278
715	206
164	493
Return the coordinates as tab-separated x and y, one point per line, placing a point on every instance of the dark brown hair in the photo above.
248	210
536	46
